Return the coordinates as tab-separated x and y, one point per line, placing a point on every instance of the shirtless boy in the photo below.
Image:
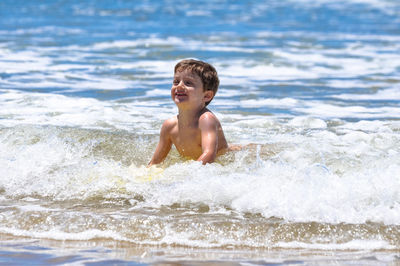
195	131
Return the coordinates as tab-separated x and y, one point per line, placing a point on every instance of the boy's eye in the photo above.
188	83
175	82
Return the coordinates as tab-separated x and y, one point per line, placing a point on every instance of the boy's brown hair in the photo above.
205	71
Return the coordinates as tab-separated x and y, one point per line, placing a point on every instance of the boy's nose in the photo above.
180	85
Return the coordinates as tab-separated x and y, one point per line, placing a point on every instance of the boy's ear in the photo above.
208	96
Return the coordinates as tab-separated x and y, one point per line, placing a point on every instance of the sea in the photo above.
309	88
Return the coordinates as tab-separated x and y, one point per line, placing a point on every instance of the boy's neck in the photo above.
190	117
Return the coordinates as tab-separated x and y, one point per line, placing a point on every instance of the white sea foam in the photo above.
52	109
278	103
158	92
202	13
352	174
352	245
391	94
307	122
329	36
385	5
22	62
38	68
35	208
60	235
289	192
42	30
265	72
371	126
326	110
138	42
188	239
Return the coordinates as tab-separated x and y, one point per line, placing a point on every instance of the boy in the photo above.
195	131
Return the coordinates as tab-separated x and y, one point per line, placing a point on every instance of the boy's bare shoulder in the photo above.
208	118
170	123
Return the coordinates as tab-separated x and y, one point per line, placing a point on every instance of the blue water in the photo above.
351	32
313	84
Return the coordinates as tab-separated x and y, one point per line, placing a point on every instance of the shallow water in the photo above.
313	86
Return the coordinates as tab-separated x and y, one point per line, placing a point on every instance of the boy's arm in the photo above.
209	138
164	145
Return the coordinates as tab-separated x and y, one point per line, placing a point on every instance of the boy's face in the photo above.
187	90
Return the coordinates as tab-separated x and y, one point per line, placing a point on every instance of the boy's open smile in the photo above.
180	94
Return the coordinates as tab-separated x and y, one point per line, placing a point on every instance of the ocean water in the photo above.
313	86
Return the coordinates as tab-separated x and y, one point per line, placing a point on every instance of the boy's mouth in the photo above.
180	94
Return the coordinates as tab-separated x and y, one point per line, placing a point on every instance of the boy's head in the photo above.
205	71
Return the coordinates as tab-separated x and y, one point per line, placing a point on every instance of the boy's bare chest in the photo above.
187	142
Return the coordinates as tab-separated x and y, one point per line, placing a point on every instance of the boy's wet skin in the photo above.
196	132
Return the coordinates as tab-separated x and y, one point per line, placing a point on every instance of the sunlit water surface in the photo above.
313	86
